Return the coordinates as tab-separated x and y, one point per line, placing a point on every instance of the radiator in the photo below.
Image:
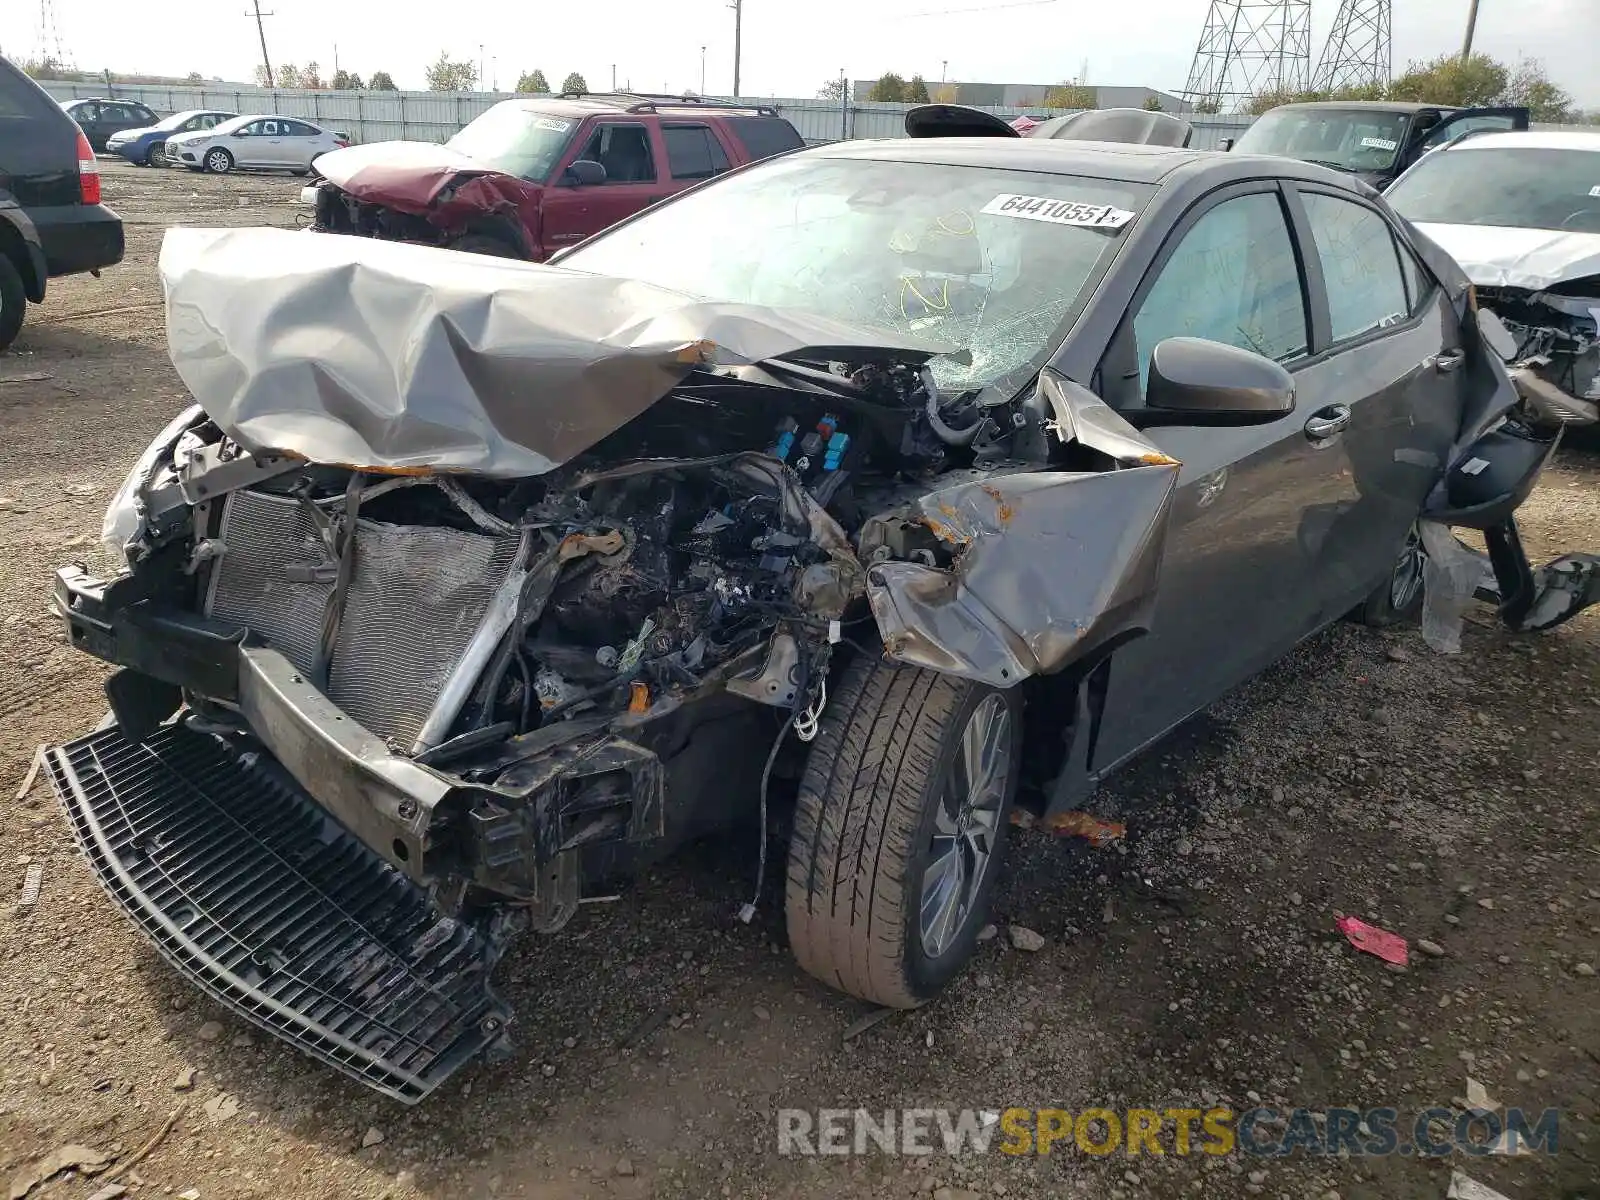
417	596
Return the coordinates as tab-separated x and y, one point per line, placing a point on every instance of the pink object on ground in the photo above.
1390	947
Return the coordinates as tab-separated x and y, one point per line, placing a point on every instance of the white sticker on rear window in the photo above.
553	125
1057	212
1379	143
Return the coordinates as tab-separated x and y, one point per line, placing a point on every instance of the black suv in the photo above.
51	219
100	117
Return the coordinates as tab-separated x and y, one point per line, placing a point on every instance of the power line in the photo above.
948	12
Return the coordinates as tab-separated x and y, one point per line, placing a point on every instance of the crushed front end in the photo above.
1556	364
511	588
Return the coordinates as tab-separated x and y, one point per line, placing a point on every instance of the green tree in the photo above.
382	81
1153	104
832	90
947	93
533	83
574	83
311	77
890	88
1071	95
1448	80
1207	107
448	75
194	77
261	76
1531	88
346	81
288	75
916	90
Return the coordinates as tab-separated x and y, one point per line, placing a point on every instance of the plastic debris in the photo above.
85	1160
1450	575
33	773
1369	939
31	882
1463	1188
1100	832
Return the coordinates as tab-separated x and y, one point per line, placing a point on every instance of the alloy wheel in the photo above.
966	825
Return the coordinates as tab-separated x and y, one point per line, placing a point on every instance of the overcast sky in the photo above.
789	48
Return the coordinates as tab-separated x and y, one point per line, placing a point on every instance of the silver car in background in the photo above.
269	143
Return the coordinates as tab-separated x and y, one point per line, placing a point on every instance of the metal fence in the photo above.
434	116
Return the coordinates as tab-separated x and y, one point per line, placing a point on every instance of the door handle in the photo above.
1326	422
1448	361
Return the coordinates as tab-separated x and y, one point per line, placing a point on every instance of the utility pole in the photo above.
944	71
262	30
1472	28
702	70
738	35
613	77
483	75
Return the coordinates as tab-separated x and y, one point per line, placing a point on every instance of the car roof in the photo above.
1396	106
1550	139
579	107
1123	161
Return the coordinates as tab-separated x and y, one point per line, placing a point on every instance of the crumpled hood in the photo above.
1534	259
404	175
392	357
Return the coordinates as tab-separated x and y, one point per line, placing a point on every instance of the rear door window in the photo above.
1360	264
693	152
765	136
298	129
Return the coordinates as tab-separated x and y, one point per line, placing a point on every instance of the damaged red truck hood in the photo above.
410	176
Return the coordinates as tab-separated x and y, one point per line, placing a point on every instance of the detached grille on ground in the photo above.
269	905
417	595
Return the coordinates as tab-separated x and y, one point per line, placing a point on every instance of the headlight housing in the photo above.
123	523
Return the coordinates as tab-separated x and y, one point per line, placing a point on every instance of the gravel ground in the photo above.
1450	799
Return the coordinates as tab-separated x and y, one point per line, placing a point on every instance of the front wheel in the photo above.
219	161
899	830
157	157
13	301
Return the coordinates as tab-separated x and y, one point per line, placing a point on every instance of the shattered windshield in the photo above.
515	137
1347	139
1523	188
995	262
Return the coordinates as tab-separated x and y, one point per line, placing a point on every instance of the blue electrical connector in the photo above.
837	445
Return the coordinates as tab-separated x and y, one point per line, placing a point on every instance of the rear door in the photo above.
273	148
301	143
1388	366
1233	595
630	156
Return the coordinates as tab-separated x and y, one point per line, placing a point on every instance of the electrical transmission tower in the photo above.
1358	51
1249	47
48	49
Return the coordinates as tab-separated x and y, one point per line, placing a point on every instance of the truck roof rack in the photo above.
643	102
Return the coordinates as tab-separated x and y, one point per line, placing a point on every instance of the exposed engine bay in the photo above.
1556	366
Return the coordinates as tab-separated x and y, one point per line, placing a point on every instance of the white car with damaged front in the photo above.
269	143
1520	212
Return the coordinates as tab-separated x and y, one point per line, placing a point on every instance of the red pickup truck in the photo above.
532	176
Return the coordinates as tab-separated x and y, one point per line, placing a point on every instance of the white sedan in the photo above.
259	142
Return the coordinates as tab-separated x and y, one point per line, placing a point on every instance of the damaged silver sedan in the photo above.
866	493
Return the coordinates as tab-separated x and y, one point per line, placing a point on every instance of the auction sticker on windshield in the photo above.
1057	212
552	124
1375	143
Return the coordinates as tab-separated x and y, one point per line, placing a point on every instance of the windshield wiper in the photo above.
1324	162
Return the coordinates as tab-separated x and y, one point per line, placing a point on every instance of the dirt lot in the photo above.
1451	799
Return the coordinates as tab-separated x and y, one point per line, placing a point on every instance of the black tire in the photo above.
1398	599
156	156
217	161
13	301
864	826
300	172
480	243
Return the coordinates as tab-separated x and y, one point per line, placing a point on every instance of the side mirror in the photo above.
1495	334
583	172
1227	143
1194	381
